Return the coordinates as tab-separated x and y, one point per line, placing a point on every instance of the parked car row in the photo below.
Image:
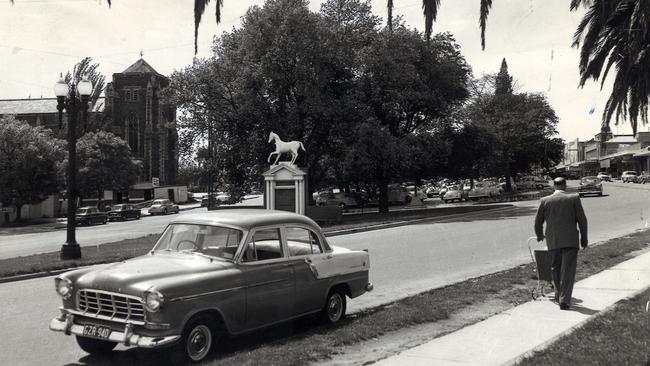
92	215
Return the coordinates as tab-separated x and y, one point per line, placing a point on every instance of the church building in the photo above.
133	104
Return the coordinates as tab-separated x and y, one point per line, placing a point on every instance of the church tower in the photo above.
144	121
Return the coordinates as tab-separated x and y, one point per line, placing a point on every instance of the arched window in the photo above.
133	133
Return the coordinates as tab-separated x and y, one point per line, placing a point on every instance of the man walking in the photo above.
561	212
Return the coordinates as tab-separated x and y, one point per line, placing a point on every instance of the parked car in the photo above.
211	273
163	206
416	193
454	193
341	199
398	194
629	176
590	185
90	215
484	189
432	191
123	212
532	182
604	177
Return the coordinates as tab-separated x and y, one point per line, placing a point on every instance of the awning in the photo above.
642	153
142	185
618	154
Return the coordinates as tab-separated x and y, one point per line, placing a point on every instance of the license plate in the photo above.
96	331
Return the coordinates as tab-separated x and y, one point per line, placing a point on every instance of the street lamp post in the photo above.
68	100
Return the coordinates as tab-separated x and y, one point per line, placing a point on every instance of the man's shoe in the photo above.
564	306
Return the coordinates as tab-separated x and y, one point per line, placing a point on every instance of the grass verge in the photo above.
620	336
104	253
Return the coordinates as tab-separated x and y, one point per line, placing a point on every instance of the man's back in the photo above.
561	212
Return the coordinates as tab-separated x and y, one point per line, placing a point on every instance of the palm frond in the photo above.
199	9
575	4
389	21
430	10
485	11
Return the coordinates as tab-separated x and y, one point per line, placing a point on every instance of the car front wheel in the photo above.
197	339
95	346
335	306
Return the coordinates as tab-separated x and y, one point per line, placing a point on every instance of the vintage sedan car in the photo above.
604	177
123	212
590	185
629	176
163	206
211	274
90	215
485	189
341	199
454	193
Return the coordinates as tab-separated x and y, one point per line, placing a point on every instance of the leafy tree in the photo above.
104	162
410	86
286	70
616	33
29	163
519	127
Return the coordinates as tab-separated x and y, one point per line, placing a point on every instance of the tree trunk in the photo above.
18	213
383	196
508	177
100	195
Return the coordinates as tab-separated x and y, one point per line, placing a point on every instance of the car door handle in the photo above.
329	256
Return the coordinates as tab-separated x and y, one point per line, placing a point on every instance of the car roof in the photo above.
245	218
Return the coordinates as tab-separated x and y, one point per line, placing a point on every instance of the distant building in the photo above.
605	152
143	120
132	110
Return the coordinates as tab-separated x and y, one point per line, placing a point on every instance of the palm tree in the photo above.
617	33
430	10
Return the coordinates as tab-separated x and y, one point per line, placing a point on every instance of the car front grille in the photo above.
110	306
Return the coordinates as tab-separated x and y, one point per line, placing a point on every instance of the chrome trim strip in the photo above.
268	282
192	297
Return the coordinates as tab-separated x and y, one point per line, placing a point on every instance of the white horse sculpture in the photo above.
284	147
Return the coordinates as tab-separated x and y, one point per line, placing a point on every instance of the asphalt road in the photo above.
12	246
404	261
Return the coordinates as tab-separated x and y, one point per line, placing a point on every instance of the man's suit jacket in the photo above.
561	212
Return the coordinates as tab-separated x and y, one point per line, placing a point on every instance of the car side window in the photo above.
265	244
302	241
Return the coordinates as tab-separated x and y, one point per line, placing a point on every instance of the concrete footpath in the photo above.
507	337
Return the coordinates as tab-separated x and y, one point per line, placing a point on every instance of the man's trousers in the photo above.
563	268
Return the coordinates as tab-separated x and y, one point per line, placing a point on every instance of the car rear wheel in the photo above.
95	346
335	306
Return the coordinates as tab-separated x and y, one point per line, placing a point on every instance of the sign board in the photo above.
604	163
155	182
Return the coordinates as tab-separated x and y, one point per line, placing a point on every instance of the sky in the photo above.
42	38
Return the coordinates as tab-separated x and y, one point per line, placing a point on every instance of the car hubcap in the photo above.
199	342
335	307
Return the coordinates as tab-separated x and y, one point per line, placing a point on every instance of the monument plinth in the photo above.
284	188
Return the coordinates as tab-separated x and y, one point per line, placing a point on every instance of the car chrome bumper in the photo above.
65	323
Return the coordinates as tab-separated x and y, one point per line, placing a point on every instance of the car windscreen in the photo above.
590	180
214	241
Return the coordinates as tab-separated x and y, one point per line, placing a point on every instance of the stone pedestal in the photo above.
284	188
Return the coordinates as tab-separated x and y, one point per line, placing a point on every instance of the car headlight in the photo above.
153	301
63	287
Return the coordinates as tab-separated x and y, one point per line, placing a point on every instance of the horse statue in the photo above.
284	147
